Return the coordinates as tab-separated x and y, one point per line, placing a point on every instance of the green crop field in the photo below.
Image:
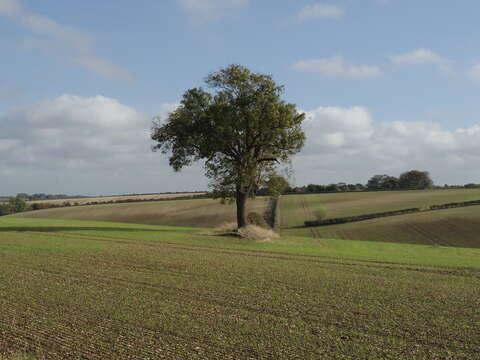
99	290
296	209
198	212
450	227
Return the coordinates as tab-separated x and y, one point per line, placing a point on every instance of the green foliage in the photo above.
276	185
415	180
16	204
383	182
242	130
320	214
4	209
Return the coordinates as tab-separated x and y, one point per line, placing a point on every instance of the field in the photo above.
97	290
198	212
298	208
101	199
449	227
132	289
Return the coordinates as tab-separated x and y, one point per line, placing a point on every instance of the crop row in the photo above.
349	219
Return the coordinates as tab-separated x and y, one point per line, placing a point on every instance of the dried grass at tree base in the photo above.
251	232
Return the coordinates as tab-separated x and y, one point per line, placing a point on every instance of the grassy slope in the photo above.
453	227
199	212
139	291
295	209
450	227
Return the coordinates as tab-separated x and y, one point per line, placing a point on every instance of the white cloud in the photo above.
474	72
319	12
420	57
71	44
345	144
69	128
337	67
97	145
205	10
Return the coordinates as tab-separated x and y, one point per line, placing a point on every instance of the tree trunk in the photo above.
241	200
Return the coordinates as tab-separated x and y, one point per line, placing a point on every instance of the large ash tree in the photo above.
242	129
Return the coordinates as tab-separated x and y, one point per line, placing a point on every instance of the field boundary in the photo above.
349	219
272	213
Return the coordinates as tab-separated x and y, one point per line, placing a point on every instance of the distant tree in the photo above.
415	180
375	182
4	209
276	185
360	187
16	204
242	130
390	183
331	188
383	182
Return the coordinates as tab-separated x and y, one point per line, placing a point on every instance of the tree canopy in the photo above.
242	129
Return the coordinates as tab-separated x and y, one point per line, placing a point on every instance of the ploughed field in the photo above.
197	213
99	290
449	227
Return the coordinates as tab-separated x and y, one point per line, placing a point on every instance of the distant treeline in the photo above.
42	196
410	180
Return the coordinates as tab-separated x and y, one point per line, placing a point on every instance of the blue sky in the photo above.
387	85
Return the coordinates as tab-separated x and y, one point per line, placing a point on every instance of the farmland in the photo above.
198	212
296	209
450	227
136	291
104	199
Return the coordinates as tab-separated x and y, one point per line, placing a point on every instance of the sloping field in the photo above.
81	201
76	289
450	227
198	212
296	209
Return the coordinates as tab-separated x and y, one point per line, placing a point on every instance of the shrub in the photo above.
320	214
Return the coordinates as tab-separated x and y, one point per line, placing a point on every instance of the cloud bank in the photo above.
346	144
97	145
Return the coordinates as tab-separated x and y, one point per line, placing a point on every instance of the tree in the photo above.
276	185
383	182
242	130
16	204
375	182
415	180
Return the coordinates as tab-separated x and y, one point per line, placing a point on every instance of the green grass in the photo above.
296	209
198	212
457	227
116	290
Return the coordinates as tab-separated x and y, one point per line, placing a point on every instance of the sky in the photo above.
387	86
